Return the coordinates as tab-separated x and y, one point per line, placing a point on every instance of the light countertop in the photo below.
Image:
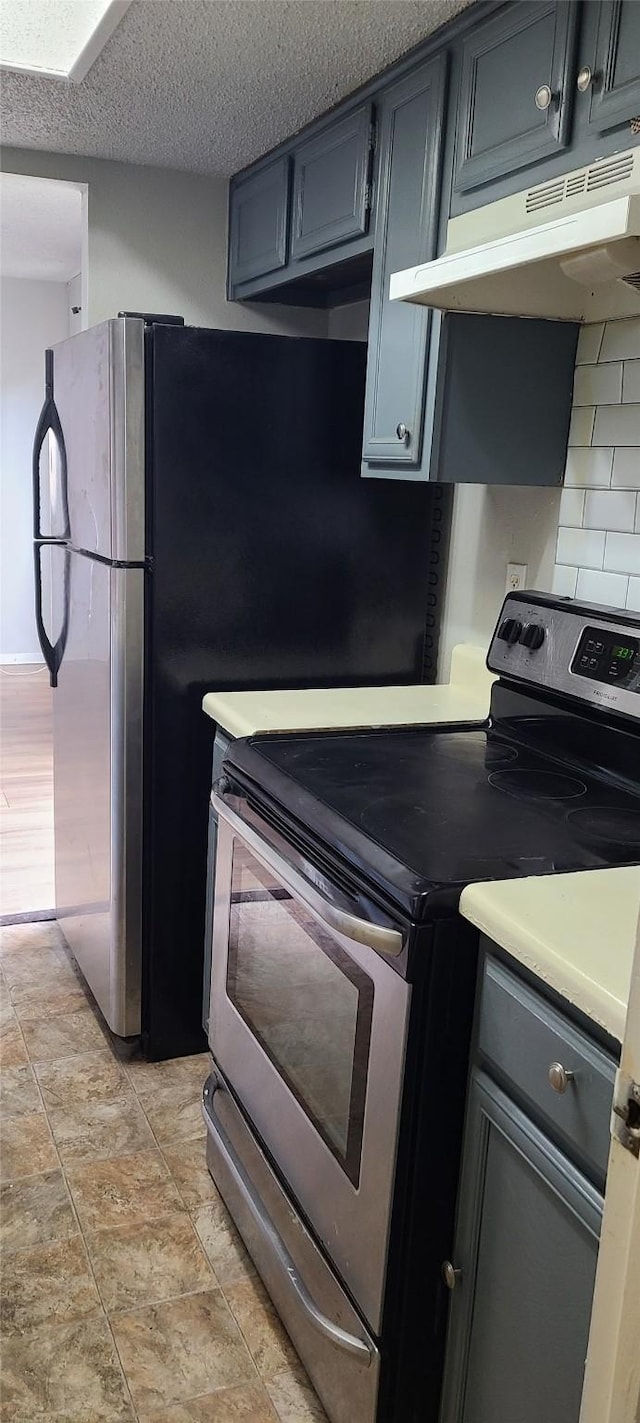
577	932
464	698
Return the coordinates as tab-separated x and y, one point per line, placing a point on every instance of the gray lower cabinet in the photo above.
331	187
221	743
259	218
411	128
526	1247
516	91
614	88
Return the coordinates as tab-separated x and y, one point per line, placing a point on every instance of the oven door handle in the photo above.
363	931
264	1224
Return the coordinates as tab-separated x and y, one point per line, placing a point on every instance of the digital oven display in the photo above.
604	657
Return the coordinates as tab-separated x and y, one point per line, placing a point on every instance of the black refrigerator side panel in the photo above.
274	564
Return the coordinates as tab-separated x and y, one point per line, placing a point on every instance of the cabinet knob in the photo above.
403	433
543	96
559	1077
450	1276
585	78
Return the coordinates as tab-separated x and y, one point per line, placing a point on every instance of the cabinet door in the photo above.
259	207
511	65
615	90
330	185
410	156
527	1244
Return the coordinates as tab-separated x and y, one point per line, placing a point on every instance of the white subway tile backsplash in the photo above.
598	548
598	385
608	509
617	425
584	547
630	381
589	342
626	469
572	508
581	425
622	553
621	340
564	581
602	587
589	469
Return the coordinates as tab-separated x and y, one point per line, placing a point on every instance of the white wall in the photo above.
598	552
493	526
75	313
349	323
33	315
157	241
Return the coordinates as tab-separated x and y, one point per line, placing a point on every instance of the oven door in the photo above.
308	1022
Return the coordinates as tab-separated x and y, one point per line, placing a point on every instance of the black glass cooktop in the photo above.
422	813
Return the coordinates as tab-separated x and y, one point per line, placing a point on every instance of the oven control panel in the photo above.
608	657
561	645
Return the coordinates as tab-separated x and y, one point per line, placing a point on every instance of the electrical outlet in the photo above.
516	577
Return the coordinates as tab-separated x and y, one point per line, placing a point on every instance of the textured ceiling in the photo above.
40	228
209	85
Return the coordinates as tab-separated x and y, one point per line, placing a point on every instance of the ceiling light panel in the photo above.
59	39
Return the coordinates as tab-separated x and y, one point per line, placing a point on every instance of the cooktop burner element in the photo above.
602	825
537	785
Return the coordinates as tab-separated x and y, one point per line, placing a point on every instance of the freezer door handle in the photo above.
49	423
53	652
265	1227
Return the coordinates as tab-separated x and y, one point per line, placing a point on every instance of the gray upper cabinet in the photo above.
526	1246
614	81
516	92
331	189
259	213
407	223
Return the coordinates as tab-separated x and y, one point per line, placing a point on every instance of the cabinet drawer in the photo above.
520	1037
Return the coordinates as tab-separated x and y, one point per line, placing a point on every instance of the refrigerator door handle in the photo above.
49	422
52	653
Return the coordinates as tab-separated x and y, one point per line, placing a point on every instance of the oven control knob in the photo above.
509	631
532	636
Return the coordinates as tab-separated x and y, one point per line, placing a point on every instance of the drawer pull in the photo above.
559	1077
450	1275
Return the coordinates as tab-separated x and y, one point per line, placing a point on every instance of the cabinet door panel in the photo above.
506	60
615	94
330	194
259	217
527	1245
410	143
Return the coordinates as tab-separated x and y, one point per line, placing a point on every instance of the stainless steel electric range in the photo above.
343	980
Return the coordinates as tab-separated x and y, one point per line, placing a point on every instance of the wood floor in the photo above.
26	791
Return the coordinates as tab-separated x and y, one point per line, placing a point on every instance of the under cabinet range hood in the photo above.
567	250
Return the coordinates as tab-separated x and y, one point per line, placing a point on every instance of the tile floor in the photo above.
126	1292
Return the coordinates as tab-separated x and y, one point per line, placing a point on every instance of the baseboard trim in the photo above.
15	659
31	916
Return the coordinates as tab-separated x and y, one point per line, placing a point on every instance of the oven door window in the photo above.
305	1001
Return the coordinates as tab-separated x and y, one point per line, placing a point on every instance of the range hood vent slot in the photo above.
633	280
585	180
546	196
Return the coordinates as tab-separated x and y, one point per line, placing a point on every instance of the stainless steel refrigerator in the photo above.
200	521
